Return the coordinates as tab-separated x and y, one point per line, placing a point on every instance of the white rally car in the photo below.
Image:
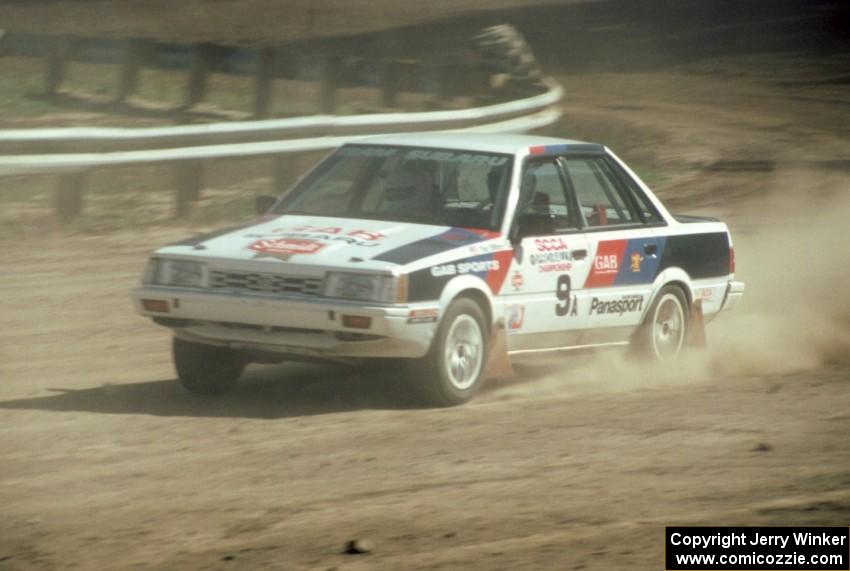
452	251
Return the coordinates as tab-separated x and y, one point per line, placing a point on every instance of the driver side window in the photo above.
543	208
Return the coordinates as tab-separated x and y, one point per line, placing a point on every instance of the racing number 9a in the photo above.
562	290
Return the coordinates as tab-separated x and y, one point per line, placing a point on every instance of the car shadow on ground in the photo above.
280	391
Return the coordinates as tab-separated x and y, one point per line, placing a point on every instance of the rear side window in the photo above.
600	196
645	207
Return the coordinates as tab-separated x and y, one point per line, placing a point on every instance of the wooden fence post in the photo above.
389	83
68	196
188	179
57	58
266	72
131	66
449	81
284	172
331	68
197	87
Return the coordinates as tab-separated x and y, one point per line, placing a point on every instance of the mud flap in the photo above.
498	362
696	329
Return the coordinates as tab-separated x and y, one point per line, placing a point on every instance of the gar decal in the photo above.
619	306
640	260
623	262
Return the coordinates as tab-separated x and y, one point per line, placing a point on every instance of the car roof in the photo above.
482	142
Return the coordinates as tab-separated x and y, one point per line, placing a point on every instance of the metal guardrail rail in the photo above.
71	153
35	151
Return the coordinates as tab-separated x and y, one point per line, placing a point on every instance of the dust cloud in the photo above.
793	254
794	259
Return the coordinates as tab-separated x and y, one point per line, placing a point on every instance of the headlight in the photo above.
181	273
366	287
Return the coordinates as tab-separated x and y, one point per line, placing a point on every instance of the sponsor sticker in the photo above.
556	244
619	306
636	260
447	156
423	315
465	268
516	316
366	151
517	280
551	255
606	264
283	248
356	237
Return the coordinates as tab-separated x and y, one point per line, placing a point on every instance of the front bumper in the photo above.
734	293
298	326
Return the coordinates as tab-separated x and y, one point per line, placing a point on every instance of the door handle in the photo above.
579	254
650	249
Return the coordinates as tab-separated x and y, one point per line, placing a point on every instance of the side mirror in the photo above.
263	203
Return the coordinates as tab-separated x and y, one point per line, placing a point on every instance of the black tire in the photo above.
438	383
206	369
664	332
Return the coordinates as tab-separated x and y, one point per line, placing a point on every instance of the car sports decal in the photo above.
442	242
427	284
640	260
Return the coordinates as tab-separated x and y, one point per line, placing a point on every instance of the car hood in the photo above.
328	242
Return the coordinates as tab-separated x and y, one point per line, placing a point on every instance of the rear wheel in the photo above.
453	370
206	369
663	333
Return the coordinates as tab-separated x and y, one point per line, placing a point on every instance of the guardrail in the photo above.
72	152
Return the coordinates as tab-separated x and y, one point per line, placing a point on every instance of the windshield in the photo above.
404	184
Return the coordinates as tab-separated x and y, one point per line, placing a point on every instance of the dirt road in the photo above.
106	464
577	464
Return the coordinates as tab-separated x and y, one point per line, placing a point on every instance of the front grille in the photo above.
273	284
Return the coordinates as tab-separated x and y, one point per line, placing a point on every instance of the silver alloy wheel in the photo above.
668	327
464	351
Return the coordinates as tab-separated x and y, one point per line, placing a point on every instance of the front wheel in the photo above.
453	370
206	369
663	333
